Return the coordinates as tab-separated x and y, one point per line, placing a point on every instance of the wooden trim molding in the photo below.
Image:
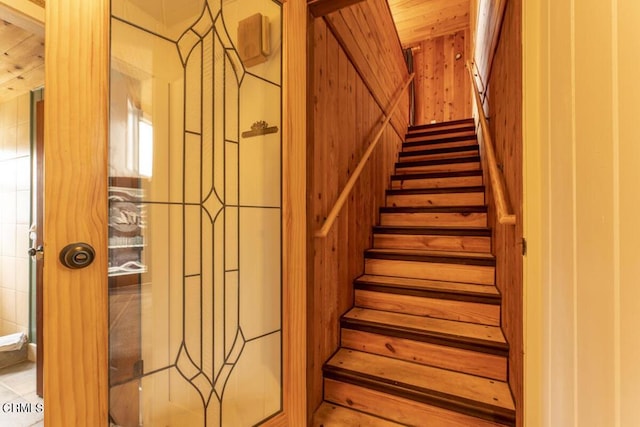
320	8
294	215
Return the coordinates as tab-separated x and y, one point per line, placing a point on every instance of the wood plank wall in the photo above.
348	85
370	40
443	90
505	112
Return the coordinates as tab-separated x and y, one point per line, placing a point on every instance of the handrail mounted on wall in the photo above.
333	214
495	176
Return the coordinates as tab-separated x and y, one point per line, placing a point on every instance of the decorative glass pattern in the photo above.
196	328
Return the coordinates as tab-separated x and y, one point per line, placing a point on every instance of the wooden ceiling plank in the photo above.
418	20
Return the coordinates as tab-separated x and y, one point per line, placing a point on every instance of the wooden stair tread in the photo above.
423	342
490	336
436	190
423	383
328	415
443	150
413	283
457	257
430	175
435	209
455	160
433	230
427	141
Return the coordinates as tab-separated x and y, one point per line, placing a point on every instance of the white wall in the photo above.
582	170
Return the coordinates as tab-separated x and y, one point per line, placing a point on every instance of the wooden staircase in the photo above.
423	344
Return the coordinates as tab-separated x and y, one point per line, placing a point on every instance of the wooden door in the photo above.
75	201
76	311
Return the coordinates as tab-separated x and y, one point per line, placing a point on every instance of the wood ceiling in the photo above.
21	61
418	20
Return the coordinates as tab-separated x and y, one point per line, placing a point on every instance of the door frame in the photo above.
76	152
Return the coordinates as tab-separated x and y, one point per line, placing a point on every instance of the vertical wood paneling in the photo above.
367	33
442	86
505	110
347	92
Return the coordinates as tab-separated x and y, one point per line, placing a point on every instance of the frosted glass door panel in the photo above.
195	284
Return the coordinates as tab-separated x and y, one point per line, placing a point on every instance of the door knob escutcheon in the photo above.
77	255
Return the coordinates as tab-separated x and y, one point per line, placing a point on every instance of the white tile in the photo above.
8	277
22	309
7	327
24	108
22	241
8	303
23	173
8	176
10	135
23	140
9	208
21	274
3	113
9	113
23	207
8	240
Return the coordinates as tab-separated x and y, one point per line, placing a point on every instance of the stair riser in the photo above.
441	356
444	243
484	314
447	167
437	156
402	410
478	274
430	200
431	145
444	219
433	136
463	123
457	181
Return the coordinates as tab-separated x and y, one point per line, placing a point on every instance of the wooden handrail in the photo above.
495	176
333	214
